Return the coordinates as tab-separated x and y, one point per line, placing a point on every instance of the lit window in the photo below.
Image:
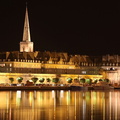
2	65
10	69
83	72
10	65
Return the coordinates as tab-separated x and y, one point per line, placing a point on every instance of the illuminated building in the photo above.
27	64
26	45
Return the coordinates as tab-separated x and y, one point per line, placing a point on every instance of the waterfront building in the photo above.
28	63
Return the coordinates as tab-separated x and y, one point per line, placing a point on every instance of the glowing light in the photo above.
30	81
30	98
53	94
18	98
61	93
18	94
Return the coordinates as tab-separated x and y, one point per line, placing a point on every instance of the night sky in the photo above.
90	28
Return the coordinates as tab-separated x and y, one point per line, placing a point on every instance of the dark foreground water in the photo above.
60	105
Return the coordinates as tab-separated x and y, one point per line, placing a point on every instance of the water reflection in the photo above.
59	105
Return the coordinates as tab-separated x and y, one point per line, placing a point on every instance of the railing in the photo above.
84	64
99	64
50	71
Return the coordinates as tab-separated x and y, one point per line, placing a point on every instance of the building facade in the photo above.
28	63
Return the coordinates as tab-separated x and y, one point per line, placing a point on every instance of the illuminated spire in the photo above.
26	32
26	45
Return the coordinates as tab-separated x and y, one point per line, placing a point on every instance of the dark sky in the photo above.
91	28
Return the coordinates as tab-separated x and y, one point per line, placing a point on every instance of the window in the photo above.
83	72
10	65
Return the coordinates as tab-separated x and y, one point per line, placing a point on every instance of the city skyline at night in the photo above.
76	28
59	60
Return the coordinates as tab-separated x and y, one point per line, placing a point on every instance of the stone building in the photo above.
28	63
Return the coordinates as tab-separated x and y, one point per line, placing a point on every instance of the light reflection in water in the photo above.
59	105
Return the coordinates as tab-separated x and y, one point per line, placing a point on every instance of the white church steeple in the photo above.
26	45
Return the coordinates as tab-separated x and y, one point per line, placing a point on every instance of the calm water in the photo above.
60	105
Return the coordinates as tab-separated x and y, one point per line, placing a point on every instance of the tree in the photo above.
48	79
100	79
107	80
41	80
34	79
55	80
19	79
76	80
11	79
69	80
89	81
82	80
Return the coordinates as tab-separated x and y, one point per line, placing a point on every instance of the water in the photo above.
60	105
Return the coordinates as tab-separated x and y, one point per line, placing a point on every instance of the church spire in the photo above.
26	45
26	32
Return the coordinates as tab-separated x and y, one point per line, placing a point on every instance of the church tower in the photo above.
26	45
